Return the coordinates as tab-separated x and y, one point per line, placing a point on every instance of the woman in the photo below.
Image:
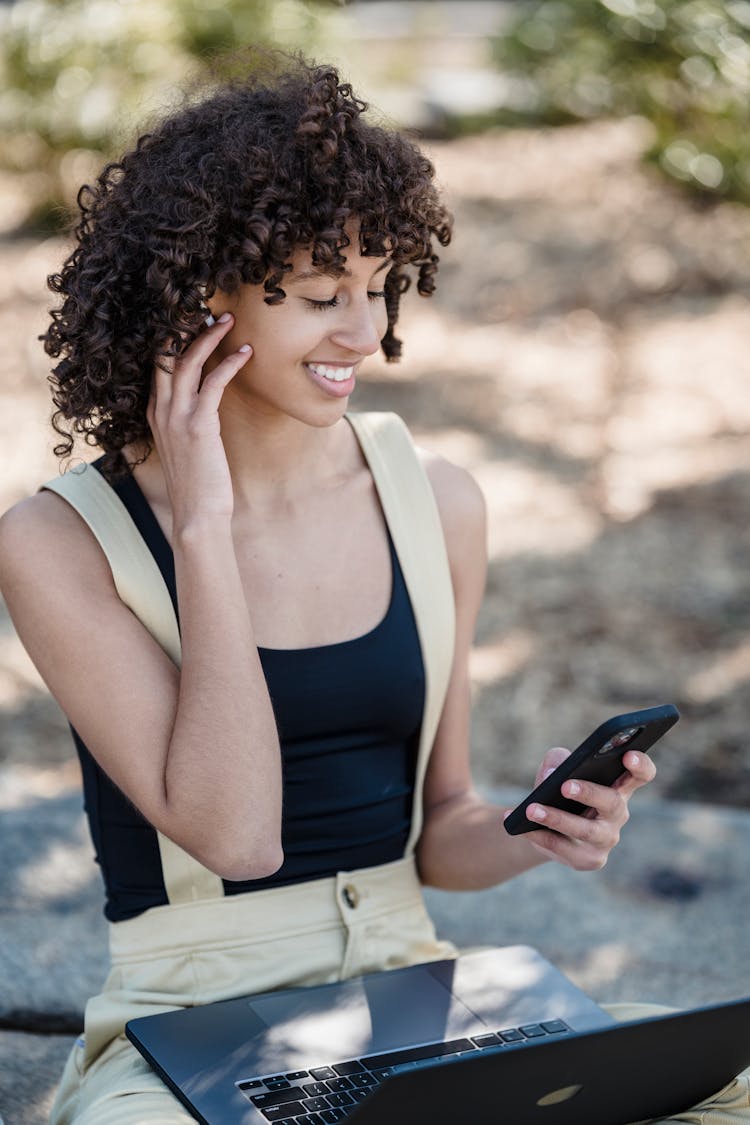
230	277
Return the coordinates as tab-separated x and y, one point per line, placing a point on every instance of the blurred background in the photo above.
586	357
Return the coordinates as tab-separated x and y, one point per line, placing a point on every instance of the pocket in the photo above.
136	988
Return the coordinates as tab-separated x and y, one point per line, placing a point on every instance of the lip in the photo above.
335	390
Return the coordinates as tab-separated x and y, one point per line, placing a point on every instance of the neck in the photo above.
279	459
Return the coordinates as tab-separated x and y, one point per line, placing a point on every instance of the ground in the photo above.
586	358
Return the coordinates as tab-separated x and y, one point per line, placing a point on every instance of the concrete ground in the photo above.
664	921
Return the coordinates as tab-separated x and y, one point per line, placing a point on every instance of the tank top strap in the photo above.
413	519
141	587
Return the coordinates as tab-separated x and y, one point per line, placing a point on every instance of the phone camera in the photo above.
622	738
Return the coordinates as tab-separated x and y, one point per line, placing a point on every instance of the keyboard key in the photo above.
510	1035
553	1027
276	1097
331	1116
360	1081
251	1084
351	1067
314	1089
532	1030
337	1100
314	1105
359	1095
295	1074
282	1112
319	1073
338	1084
309	1119
277	1084
413	1054
489	1040
384	1072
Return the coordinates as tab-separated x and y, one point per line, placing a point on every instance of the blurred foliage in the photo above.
78	78
683	64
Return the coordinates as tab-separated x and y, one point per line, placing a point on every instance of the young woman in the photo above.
269	784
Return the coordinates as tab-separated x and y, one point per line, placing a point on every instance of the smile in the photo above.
335	374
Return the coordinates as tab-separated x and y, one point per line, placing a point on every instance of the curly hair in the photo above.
220	194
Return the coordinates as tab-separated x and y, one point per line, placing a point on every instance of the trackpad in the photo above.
359	1017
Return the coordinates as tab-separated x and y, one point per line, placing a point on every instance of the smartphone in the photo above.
598	758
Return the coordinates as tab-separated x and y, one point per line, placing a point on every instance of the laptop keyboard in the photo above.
326	1094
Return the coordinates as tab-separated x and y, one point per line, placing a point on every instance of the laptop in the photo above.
495	1034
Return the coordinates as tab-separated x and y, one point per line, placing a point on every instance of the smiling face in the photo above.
308	349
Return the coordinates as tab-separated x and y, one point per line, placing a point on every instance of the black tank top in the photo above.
348	716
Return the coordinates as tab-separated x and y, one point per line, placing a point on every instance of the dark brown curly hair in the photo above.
221	193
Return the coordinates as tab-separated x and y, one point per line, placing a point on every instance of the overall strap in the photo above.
412	516
140	585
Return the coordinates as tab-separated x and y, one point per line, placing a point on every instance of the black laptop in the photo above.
497	1035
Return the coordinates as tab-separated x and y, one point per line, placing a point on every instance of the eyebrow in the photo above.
317	271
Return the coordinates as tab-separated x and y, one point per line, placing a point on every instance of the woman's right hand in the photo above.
183	413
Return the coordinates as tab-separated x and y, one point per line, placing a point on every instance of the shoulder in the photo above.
460	501
459	498
463	512
43	538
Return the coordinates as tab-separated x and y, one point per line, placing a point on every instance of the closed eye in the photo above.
334	300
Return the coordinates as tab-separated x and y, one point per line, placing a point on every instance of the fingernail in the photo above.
536	812
245	348
548	773
225	317
210	321
573	788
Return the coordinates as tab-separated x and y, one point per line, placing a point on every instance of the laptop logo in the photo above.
564	1094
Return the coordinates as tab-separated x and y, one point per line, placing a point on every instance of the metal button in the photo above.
350	895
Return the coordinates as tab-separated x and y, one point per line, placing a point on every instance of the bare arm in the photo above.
463	844
196	750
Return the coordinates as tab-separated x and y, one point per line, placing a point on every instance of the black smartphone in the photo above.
598	758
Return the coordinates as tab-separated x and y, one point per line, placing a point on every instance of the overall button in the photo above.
350	895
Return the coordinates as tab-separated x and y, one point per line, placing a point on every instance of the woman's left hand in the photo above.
583	841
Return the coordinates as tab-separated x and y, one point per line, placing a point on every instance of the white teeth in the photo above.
335	374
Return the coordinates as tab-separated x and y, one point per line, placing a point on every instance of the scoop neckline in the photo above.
165	545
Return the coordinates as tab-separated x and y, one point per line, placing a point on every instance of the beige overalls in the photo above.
204	946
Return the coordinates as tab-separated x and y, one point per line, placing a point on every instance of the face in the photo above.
308	349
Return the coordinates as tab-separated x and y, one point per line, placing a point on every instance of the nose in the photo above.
362	326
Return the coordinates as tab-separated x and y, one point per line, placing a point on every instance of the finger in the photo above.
603	800
602	830
170	371
580	857
189	367
640	771
161	385
551	760
216	382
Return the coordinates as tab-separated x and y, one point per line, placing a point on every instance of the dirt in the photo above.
586	357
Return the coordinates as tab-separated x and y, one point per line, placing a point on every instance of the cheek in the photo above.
285	338
381	319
